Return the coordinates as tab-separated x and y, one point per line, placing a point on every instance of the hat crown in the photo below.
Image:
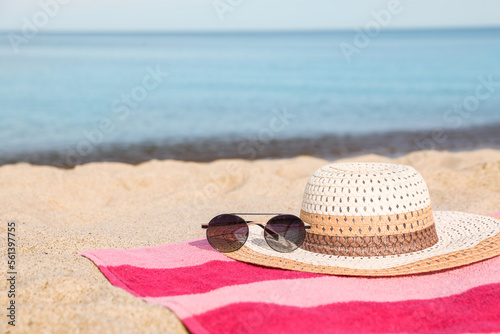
367	209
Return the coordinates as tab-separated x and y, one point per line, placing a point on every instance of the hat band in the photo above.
371	245
369	225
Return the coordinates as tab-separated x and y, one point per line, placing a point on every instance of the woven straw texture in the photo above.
377	220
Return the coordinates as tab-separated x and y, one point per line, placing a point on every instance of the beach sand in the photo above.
60	213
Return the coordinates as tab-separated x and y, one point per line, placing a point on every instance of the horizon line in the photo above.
250	31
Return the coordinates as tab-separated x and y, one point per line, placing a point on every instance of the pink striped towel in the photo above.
211	293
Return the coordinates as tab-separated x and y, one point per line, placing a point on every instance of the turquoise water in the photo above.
60	88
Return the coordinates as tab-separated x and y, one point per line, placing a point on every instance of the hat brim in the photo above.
463	239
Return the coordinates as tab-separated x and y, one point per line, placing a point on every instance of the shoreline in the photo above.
391	144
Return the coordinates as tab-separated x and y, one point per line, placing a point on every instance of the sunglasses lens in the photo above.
285	233
227	233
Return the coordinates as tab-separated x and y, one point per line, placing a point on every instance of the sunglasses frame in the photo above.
260	224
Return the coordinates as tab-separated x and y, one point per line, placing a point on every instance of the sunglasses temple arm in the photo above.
204	226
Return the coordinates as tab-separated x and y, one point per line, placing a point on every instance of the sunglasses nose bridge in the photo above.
260	224
250	222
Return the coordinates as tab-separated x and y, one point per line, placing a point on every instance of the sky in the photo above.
234	15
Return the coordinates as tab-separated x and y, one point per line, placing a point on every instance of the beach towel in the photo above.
211	293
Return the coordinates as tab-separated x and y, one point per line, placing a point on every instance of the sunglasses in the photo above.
228	232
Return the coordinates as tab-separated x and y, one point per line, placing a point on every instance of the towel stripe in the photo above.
197	279
234	276
183	254
476	310
321	290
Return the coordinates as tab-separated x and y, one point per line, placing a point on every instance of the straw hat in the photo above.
374	219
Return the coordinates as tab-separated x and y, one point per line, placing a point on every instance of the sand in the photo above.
60	213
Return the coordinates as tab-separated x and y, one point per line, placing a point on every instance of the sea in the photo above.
72	98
